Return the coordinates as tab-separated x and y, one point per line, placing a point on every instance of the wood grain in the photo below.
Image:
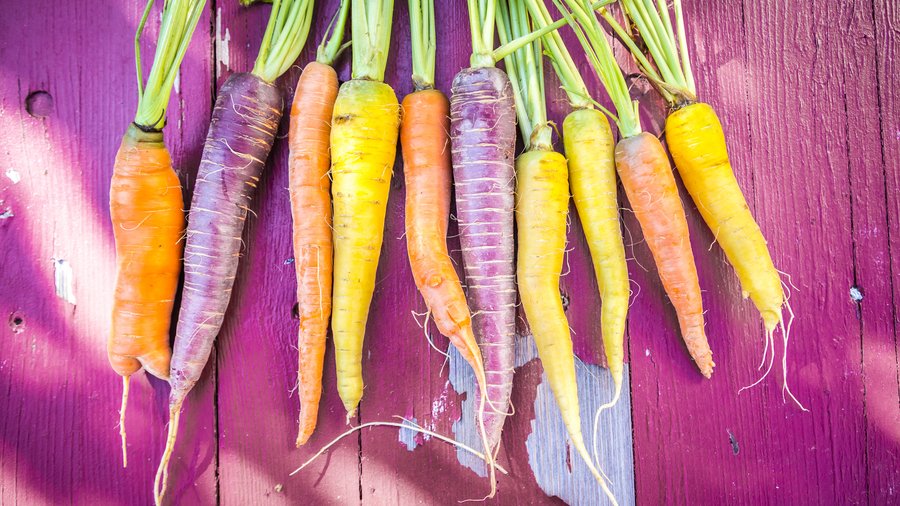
807	93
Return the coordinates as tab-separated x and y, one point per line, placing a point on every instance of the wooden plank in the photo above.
67	93
257	350
877	246
699	441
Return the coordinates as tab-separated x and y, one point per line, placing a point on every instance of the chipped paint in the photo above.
462	378
223	56
64	279
548	442
408	436
7	213
13	175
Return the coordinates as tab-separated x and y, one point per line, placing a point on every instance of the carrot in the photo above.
242	130
542	205
145	205
364	131
697	142
483	134
650	186
310	190
590	148
425	139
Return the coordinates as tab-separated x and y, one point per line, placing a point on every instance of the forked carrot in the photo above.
145	205
425	139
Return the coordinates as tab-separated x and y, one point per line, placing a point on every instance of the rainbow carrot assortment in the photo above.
145	205
512	211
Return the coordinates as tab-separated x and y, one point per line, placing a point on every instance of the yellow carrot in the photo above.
697	143
364	130
590	147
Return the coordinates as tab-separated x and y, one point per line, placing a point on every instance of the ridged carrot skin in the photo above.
364	132
146	208
650	185
697	143
241	132
542	205
425	139
483	133
590	149
310	190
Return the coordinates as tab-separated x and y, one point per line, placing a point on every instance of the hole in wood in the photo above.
16	323
39	104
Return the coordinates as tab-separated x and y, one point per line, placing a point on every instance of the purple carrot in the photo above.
240	136
483	131
241	133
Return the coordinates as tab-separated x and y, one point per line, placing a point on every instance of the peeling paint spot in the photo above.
177	83
289	261
565	475
525	351
64	279
13	176
278	488
856	294
735	449
647	352
462	378
7	214
409	437
222	55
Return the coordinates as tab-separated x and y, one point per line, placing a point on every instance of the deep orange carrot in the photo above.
310	190
145	205
424	137
650	185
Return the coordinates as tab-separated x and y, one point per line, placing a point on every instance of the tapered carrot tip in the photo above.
303	437
351	414
706	364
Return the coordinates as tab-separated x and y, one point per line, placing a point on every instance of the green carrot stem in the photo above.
284	38
665	43
525	69
423	38
179	19
593	39
371	30
566	70
333	43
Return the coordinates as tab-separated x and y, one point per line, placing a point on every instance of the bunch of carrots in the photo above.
512	211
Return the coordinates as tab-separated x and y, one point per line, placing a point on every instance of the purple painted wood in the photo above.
67	93
807	96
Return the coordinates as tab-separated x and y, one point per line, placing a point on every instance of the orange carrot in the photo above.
650	185
310	188
426	164
146	209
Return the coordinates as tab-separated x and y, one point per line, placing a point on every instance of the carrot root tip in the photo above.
126	383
